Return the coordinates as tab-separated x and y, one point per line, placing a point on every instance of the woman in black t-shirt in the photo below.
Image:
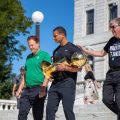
111	86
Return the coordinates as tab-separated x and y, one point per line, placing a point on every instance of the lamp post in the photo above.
37	18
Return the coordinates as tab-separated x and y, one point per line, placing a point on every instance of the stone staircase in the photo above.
82	112
96	111
89	112
12	115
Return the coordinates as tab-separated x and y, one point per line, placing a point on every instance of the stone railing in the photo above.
8	104
12	104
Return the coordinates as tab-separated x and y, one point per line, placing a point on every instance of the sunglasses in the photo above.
113	27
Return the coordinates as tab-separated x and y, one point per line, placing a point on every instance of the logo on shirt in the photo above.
115	50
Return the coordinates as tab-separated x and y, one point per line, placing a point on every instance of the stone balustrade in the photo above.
8	104
12	104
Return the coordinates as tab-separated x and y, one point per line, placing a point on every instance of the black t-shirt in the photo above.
60	53
89	75
17	81
113	50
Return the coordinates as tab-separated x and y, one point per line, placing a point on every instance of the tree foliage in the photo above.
13	23
6	90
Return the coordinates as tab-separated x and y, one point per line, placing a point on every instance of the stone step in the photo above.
100	107
88	112
82	112
87	116
12	115
90	118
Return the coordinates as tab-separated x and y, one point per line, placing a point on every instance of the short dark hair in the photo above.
22	68
35	38
60	29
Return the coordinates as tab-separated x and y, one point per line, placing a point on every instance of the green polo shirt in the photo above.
34	74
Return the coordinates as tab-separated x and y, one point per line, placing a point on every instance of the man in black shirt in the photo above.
16	83
64	85
111	87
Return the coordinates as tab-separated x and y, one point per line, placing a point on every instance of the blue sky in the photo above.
56	13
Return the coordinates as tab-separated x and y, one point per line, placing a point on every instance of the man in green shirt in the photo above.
34	93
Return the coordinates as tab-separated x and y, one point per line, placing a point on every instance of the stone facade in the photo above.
101	34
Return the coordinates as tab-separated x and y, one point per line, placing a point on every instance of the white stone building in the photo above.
91	27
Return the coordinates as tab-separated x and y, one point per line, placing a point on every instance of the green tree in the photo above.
6	90
13	23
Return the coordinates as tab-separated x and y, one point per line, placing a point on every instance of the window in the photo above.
90	22
112	11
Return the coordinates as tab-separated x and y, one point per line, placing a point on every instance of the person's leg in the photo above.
52	105
36	103
117	97
18	103
38	108
108	94
68	98
24	106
